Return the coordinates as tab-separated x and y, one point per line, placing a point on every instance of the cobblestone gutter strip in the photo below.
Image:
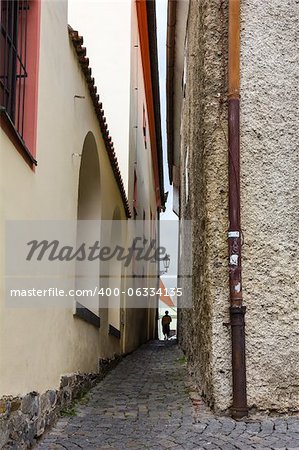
261	431
24	419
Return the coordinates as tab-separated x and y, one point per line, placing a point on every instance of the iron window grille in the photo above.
13	72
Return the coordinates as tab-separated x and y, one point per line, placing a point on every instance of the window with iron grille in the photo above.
13	71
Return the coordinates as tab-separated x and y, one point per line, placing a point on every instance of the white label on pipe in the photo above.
234	260
233	234
238	287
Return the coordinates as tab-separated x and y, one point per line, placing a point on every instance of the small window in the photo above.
19	56
135	196
143	226
144	127
13	75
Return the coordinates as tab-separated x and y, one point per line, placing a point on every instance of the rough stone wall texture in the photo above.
270	199
25	418
204	194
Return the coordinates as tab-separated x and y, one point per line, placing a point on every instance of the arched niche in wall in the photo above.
89	192
88	230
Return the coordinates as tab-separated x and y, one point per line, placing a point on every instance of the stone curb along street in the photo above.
145	403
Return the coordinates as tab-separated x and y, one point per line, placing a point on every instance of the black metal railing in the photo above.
13	72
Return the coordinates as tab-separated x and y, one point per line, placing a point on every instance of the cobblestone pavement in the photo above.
145	403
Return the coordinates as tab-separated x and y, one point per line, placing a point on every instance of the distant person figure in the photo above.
166	325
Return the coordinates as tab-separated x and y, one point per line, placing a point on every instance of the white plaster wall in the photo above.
140	160
38	346
106	28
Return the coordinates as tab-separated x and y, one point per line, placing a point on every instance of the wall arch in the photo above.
88	227
89	190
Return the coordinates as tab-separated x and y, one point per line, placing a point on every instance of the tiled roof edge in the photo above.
77	42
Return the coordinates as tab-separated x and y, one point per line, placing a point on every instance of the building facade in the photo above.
59	164
203	58
132	94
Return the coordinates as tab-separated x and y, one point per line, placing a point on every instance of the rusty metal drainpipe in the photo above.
237	310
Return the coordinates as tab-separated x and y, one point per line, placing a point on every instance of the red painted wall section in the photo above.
31	95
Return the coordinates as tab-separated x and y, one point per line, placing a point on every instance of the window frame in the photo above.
18	115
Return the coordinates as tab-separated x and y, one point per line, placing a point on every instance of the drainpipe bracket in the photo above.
234	309
239	413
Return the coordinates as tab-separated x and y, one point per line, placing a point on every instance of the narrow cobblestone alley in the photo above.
145	403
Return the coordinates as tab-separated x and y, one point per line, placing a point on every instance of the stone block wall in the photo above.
24	419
